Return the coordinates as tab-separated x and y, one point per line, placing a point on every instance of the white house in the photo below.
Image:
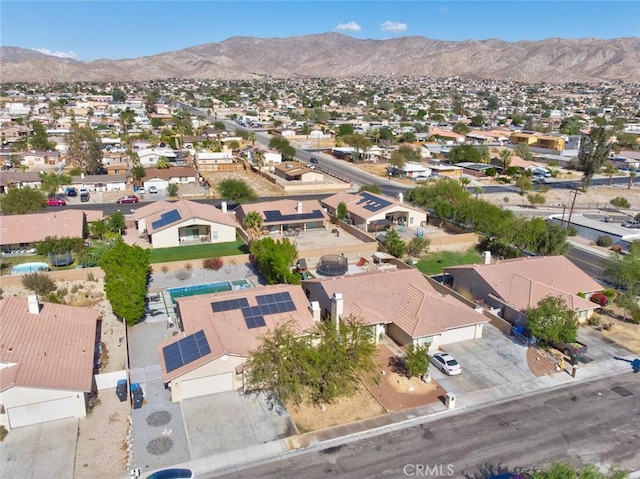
184	223
150	156
161	178
47	360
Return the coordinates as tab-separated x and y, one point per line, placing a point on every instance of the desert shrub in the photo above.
609	293
91	277
56	297
39	283
635	316
3	433
572	231
616	248
74	288
594	320
183	274
620	202
599	298
188	266
604	241
165	268
213	263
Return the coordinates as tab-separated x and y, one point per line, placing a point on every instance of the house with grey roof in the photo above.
283	215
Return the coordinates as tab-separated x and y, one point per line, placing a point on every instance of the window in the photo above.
214	235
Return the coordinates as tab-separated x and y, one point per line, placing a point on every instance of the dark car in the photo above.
72	192
172	474
313	160
128	199
56	202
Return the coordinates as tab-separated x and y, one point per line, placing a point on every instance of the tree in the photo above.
371	189
275	260
20	201
567	471
126	271
341	211
594	152
116	222
417	246
416	361
505	159
632	175
623	271
172	189
319	366
465	182
394	244
98	229
39	140
118	95
345	129
85	148
524	183
552	321
236	190
620	202
39	283
461	129
465	153
360	144
50	182
523	151
163	163
252	224
126	119
609	170
137	171
570	125
477	120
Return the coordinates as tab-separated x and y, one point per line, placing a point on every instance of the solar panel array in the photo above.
166	219
254	315
372	203
273	216
185	351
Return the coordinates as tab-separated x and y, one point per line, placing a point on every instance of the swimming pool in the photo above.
25	268
207	288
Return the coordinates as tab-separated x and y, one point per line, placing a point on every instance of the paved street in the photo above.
588	423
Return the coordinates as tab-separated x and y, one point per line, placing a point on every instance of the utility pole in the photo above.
575	195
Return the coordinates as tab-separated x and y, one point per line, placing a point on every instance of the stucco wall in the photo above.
225	364
169	237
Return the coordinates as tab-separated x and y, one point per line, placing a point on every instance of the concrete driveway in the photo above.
229	421
494	362
42	450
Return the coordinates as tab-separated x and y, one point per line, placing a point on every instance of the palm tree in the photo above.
505	159
252	138
258	156
163	163
464	181
609	170
632	175
253	225
479	191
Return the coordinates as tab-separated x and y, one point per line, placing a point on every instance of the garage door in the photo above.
42	412
209	385
459	334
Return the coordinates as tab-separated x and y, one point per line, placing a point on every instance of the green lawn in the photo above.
198	251
434	262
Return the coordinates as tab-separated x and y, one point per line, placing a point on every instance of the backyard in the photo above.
200	251
433	263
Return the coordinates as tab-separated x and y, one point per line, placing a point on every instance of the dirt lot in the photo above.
539	364
260	185
624	333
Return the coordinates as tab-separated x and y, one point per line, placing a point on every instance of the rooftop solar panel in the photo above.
275	216
274	303
185	351
372	203
166	218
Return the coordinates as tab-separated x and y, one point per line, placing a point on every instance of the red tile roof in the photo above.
36	227
53	349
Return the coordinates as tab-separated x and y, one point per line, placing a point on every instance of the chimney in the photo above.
315	311
487	257
223	207
400	198
33	304
299	207
337	308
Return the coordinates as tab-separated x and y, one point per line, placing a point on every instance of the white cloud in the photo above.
58	54
390	26
349	26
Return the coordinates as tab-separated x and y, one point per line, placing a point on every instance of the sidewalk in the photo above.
583	244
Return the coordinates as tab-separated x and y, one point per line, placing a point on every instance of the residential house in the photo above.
627	160
411	170
400	303
12	133
218	333
47	360
214	160
162	178
149	156
112	182
183	223
368	210
19	179
283	215
42	158
515	285
292	171
22	232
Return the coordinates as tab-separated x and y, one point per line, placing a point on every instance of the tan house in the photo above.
219	331
283	215
42	158
161	178
515	285
291	171
19	179
183	223
400	303
14	132
47	360
368	210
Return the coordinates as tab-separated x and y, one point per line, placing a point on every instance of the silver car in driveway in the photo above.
446	363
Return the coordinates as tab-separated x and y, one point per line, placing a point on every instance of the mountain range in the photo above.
334	55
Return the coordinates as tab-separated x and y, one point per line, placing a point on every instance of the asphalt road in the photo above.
591	264
586	423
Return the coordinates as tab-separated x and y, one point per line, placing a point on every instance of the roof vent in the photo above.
33	304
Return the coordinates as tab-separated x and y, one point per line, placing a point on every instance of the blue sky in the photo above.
89	30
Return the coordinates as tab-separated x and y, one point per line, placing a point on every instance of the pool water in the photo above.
29	268
207	288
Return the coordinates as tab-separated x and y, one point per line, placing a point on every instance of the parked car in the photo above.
631	224
311	166
539	179
313	160
573	350
84	195
54	201
128	199
446	363
172	474
72	191
153	190
141	190
421	178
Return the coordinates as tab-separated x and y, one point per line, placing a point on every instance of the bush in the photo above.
91	277
620	202
183	274
572	231
3	433
635	316
213	263
188	266
594	320
599	298
39	283
616	248
610	293
604	241
165	268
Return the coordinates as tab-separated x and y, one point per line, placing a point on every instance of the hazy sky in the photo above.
89	30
